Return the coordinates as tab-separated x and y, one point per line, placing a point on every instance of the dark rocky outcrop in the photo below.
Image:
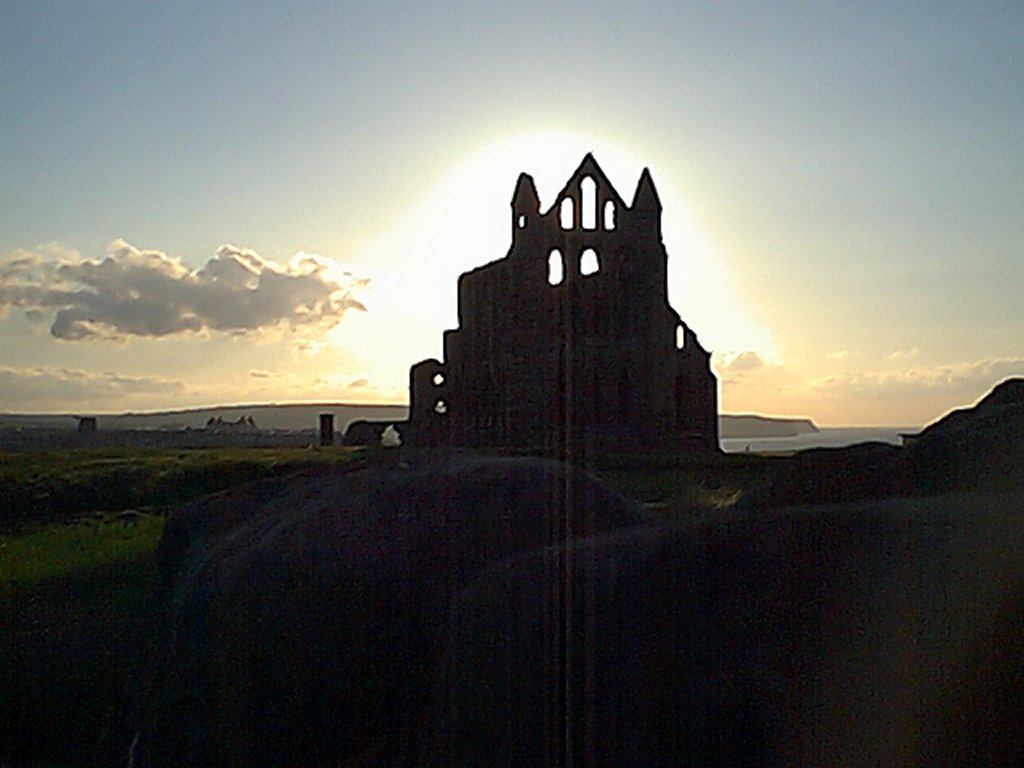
980	448
465	611
298	621
879	634
833	475
366	433
369	433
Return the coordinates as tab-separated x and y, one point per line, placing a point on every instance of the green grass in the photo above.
71	603
60	550
672	488
75	573
37	486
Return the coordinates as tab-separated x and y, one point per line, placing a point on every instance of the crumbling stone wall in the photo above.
569	341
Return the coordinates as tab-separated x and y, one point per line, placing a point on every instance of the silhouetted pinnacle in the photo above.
646	196
525	199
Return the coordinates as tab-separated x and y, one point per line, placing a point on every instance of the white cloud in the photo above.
738	362
902	354
135	292
840	354
359	388
900	394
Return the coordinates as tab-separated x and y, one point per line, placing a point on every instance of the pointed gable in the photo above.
588	167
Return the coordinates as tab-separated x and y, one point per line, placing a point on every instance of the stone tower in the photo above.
568	342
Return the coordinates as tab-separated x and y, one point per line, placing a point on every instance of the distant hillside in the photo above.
297	417
305	416
268	417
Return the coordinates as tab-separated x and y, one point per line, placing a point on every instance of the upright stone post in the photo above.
326	429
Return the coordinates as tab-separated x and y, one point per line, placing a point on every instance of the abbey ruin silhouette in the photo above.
569	340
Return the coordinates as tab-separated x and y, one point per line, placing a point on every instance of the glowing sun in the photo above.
463	220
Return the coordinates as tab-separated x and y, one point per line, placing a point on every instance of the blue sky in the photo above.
843	188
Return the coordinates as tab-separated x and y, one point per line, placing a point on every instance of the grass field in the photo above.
675	487
78	531
63	485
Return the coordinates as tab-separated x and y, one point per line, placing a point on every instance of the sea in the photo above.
825	437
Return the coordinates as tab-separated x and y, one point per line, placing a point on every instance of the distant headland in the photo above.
750	425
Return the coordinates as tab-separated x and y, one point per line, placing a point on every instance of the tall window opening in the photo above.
565	213
680	337
588	203
589	264
521	221
556	267
609	215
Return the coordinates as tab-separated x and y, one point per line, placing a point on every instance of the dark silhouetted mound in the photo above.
879	634
833	475
981	447
299	620
467	611
972	449
364	432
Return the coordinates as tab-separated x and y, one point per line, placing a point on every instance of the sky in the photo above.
208	203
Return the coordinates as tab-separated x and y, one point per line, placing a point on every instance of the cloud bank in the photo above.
46	387
893	393
146	293
738	362
966	381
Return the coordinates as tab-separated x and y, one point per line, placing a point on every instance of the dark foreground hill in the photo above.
298	620
484	611
974	448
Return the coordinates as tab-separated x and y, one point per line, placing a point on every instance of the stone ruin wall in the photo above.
569	341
